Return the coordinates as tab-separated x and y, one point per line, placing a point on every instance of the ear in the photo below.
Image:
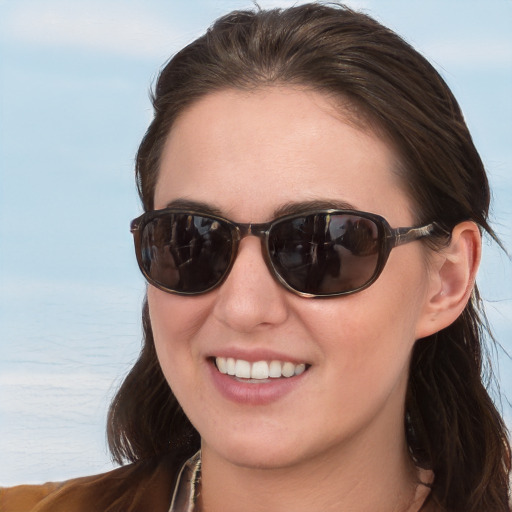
452	278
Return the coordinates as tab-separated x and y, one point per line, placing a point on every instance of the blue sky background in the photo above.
74	78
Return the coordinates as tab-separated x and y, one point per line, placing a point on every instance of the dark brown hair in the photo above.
452	424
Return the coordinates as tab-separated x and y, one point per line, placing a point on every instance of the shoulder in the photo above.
142	486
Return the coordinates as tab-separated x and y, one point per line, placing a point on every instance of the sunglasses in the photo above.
321	253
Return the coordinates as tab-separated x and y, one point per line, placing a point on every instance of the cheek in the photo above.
174	321
372	332
175	316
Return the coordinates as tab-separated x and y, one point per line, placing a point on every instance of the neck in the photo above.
362	477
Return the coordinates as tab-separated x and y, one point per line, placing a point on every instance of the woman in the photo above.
334	364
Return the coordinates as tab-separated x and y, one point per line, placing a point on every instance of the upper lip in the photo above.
256	354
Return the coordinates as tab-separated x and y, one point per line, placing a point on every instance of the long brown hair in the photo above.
452	425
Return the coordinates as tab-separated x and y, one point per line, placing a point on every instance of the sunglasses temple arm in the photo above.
400	236
135	224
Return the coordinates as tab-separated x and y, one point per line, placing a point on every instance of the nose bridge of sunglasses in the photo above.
258	230
252	229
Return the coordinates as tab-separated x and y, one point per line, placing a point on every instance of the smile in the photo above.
258	370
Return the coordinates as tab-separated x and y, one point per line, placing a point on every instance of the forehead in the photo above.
248	153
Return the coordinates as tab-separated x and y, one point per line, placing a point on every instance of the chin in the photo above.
256	459
263	451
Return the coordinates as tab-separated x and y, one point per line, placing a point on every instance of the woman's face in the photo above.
246	156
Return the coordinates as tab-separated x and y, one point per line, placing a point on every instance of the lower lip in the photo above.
254	393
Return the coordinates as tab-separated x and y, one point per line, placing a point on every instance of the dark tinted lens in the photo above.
325	253
185	253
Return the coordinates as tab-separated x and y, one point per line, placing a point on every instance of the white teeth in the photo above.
222	364
259	370
230	366
288	369
300	368
243	369
275	369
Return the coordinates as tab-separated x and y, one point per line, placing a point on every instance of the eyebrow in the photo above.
317	204
198	206
289	208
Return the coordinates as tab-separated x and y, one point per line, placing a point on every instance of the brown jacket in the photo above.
145	486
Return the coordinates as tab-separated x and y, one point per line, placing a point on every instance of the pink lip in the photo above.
253	393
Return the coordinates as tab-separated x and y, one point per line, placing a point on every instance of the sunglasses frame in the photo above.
389	238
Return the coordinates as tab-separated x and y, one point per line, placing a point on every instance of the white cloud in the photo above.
29	288
473	53
227	5
71	381
110	27
114	26
52	425
270	4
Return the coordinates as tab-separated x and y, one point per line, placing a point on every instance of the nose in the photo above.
250	298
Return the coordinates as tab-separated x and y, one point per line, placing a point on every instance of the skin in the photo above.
336	440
